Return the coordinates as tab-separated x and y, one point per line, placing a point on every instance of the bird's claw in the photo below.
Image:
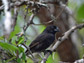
47	51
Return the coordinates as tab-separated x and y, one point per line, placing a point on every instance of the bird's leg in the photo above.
47	51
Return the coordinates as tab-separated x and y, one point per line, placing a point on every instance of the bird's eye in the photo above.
57	29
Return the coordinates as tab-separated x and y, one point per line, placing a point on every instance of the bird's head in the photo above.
52	29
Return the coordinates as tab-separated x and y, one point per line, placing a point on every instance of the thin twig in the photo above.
29	52
52	16
29	22
15	17
26	12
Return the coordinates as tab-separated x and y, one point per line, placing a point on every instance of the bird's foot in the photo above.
46	51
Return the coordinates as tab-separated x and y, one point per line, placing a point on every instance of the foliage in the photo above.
14	43
80	14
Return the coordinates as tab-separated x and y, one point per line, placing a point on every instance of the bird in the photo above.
44	40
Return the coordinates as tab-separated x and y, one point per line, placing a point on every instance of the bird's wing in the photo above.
37	40
40	39
34	44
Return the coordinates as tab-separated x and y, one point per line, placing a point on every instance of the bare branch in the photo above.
61	39
29	22
25	2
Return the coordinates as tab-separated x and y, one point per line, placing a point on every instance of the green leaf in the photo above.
50	59
10	59
1	37
41	28
21	39
19	60
14	39
54	58
80	13
24	56
21	49
9	47
17	30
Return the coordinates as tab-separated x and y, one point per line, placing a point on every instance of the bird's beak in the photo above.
57	29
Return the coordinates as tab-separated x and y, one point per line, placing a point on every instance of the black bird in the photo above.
44	40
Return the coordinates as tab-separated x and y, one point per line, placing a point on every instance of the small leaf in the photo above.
21	49
19	60
20	40
80	13
9	47
24	56
17	30
49	60
10	59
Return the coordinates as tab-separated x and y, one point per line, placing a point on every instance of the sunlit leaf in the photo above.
41	28
9	47
21	39
50	59
21	49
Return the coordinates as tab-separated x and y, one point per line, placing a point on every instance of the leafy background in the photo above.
77	6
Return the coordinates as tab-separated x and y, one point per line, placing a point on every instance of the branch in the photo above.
61	39
15	17
24	2
8	18
29	22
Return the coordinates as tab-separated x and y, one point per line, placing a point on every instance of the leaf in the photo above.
54	58
21	39
49	60
10	59
17	30
41	28
21	49
9	47
19	60
14	39
1	37
24	56
80	13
